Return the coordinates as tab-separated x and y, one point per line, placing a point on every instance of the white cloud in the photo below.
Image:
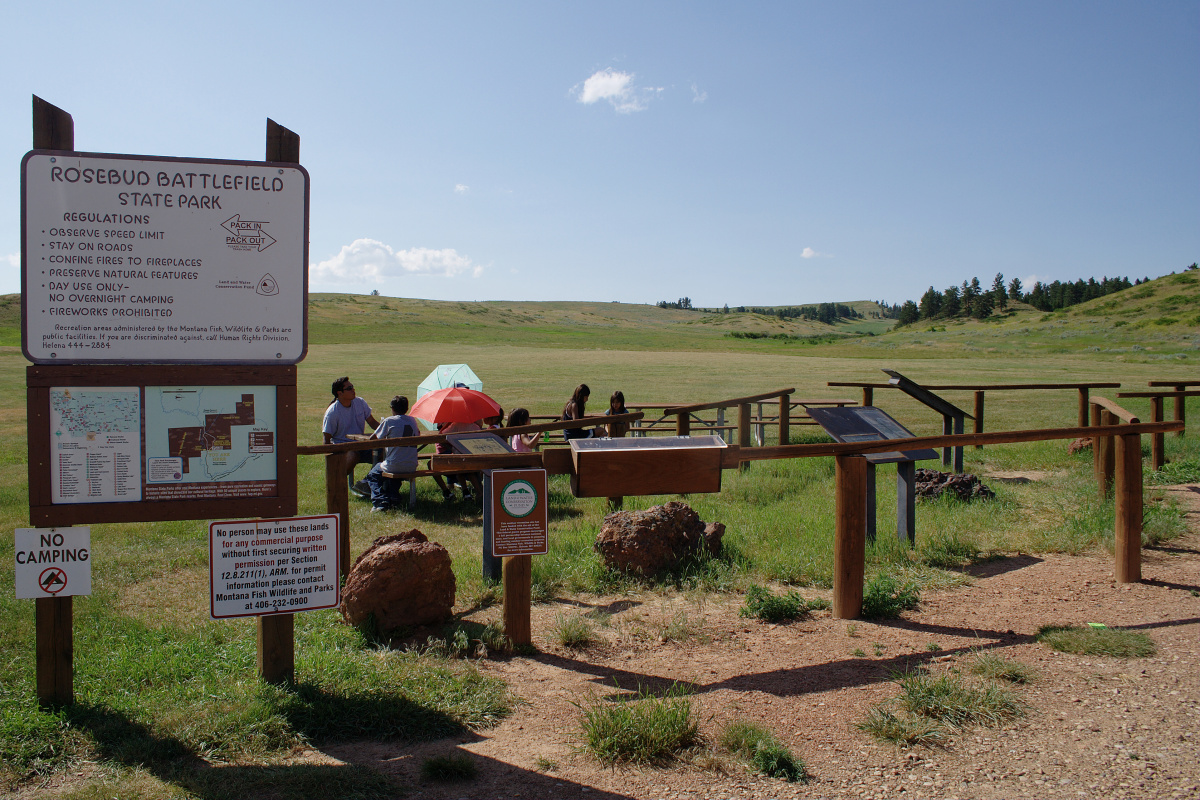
697	95
12	259
461	188
367	261
617	88
808	252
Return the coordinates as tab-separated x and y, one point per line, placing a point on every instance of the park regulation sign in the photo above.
53	562
273	566
148	259
519	512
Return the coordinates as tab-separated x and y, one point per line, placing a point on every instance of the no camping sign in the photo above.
53	562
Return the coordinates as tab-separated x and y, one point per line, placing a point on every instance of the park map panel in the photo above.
125	444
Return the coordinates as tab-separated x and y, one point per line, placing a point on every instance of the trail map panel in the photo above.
96	448
147	259
210	442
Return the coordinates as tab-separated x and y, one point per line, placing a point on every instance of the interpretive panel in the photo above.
273	566
198	442
162	260
868	424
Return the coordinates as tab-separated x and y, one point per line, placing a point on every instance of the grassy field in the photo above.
159	684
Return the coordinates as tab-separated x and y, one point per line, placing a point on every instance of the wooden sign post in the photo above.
520	530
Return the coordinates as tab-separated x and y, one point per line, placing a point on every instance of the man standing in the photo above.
385	491
346	416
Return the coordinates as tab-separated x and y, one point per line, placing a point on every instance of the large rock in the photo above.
658	538
931	483
403	580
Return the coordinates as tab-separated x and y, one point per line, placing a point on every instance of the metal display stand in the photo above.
952	415
868	424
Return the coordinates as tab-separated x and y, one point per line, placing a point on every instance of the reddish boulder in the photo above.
403	580
658	538
1079	445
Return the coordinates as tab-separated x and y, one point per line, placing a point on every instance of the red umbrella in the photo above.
454	405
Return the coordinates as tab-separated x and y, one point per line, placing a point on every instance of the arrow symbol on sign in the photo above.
251	229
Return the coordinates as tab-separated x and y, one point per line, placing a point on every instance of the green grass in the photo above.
1088	641
156	678
998	668
643	729
762	749
930	708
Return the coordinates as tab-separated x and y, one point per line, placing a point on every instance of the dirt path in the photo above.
1096	727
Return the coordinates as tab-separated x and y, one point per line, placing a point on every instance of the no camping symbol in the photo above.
52	580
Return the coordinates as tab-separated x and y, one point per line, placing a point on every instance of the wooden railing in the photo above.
1179	387
1158	441
1084	389
683	415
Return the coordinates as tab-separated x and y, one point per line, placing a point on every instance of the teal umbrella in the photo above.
449	376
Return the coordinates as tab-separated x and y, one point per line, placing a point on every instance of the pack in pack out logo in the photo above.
245	234
519	498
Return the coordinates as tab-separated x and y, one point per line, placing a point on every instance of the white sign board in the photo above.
273	566
162	260
53	562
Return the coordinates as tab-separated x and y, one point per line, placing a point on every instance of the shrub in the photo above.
644	730
573	631
883	723
448	768
990	665
760	748
762	604
885	597
951	699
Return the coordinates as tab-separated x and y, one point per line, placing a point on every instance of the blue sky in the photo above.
741	153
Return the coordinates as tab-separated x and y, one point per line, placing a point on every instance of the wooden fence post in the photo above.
1107	454
744	433
54	129
1127	499
683	424
1083	407
979	415
276	660
850	535
1097	456
337	501
1158	441
868	396
518	580
785	419
1180	406
53	621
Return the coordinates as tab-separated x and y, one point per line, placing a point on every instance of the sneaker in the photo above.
467	494
379	509
448	496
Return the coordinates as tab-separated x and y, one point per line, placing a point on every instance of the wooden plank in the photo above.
736	401
477	463
999	387
1083	406
55	665
920	442
518	579
1107	453
849	544
1120	413
276	658
1127	499
558	461
1175	394
1180	405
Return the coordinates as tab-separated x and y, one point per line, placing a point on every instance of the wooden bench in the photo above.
411	477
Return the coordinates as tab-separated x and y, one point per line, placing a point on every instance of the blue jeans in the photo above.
385	492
